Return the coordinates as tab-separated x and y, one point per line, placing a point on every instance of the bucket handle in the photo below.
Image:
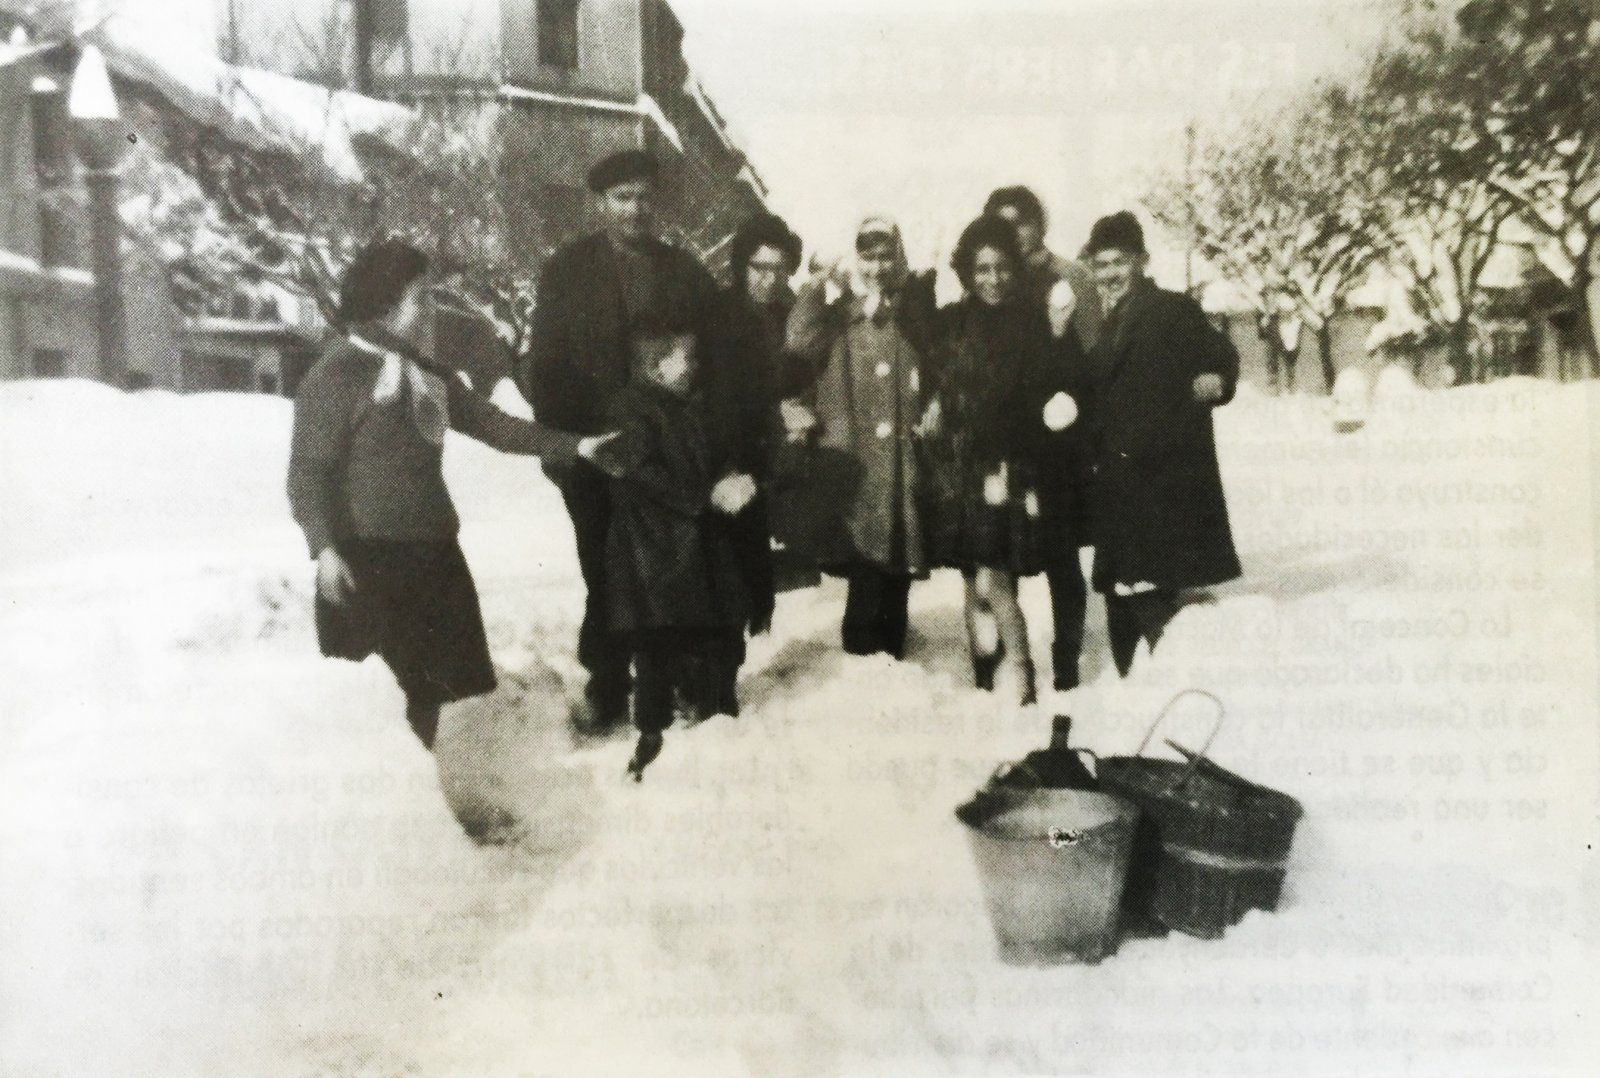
1195	758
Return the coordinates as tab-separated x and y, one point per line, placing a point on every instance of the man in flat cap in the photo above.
590	291
1159	516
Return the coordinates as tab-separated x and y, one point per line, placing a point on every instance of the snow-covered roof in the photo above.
645	107
243	327
1509	266
650	108
262	108
257	108
16	265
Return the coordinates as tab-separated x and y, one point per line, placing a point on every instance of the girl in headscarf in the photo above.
863	332
985	429
367	488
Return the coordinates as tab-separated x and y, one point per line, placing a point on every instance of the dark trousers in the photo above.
682	669
1069	605
875	612
1064	497
1131	618
605	653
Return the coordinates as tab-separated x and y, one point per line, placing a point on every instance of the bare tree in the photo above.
1527	74
1282	212
1437	219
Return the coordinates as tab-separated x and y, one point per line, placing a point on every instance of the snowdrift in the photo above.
222	854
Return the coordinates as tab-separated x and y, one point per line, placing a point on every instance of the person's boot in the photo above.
599	712
987	650
1064	671
423	715
1122	631
983	670
645	751
1155	611
1014	682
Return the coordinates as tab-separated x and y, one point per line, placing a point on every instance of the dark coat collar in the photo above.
1129	312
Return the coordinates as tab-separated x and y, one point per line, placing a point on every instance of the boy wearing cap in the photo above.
576	367
1159	514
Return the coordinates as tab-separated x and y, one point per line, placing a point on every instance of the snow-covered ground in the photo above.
220	854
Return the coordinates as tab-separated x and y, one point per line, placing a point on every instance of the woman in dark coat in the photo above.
984	431
763	257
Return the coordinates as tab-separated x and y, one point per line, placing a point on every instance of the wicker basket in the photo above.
1205	808
1210	844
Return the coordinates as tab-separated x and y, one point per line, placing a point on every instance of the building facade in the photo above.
571	81
47	324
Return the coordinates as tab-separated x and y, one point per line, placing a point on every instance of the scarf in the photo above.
427	395
878	305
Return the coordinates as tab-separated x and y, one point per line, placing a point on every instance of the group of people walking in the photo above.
1056	405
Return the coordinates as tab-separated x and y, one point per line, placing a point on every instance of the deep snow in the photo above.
220	854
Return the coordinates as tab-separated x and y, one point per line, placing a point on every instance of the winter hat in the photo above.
986	231
377	278
1119	232
762	230
879	233
1018	198
626	166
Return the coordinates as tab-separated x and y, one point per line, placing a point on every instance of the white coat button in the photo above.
885	429
883	370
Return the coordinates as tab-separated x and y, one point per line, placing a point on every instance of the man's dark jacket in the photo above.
577	365
1158	506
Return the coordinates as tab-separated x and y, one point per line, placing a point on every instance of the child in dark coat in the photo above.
673	580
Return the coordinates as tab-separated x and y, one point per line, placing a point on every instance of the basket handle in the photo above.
1222	772
1216	727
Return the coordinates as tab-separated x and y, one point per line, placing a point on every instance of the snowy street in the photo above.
221	854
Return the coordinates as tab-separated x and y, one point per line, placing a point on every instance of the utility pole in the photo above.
365	33
233	33
102	146
1188	192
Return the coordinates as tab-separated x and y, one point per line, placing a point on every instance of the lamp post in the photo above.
101	145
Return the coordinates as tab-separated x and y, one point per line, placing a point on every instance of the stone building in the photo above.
47	292
571	81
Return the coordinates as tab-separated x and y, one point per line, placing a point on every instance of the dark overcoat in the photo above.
750	378
991	378
669	563
577	363
748	387
1159	514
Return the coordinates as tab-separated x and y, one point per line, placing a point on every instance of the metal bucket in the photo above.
1052	864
